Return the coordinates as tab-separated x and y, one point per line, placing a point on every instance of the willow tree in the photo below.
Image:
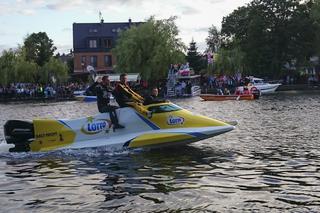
54	71
230	61
149	48
25	70
7	67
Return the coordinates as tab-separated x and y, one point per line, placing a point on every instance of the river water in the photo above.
270	163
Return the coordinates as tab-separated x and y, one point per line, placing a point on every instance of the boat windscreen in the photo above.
164	108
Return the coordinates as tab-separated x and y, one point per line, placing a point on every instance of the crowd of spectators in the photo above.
221	83
30	91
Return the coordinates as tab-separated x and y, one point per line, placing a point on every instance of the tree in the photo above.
230	61
53	71
315	15
194	58
70	64
7	67
39	48
26	71
214	39
272	33
149	48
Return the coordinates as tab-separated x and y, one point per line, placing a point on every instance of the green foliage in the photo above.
39	48
7	67
214	39
22	65
26	71
229	61
70	64
149	48
194	58
53	71
315	15
274	35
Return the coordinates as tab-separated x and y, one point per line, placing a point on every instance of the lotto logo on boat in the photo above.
175	120
95	126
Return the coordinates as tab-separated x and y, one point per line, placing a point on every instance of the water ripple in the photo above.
270	163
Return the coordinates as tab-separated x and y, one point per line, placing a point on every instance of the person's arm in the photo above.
93	88
148	100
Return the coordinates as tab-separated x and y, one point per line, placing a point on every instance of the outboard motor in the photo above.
19	133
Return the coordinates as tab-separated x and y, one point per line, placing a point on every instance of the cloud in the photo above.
186	10
20	8
64	5
6	47
63	48
216	1
87	4
201	29
67	29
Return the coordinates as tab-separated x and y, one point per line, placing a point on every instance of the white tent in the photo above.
116	77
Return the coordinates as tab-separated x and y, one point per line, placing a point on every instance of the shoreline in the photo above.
298	87
282	88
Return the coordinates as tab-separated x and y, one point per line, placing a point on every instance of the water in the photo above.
270	163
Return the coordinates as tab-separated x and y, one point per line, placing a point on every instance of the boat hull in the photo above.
210	97
267	88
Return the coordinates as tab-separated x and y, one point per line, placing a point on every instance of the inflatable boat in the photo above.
154	125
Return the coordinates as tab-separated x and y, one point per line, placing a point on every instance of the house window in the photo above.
108	60
93	61
107	43
93	43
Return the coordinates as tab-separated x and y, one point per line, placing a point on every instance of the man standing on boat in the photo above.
104	90
124	94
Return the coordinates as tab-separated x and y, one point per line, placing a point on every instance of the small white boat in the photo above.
265	88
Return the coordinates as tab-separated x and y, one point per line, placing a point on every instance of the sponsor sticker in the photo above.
175	120
95	126
46	134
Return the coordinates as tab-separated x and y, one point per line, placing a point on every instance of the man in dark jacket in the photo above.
121	92
103	91
153	98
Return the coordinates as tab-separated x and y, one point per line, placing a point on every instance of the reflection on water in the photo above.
271	162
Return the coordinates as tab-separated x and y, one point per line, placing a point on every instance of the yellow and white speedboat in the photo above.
160	124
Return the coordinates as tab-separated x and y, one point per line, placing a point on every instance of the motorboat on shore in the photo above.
212	97
265	88
241	93
154	125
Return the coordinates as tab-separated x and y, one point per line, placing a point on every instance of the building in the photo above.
92	44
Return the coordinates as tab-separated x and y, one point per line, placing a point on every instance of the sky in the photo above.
18	18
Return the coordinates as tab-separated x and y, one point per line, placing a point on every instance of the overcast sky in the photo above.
55	17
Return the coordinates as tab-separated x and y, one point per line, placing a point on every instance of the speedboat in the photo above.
154	125
265	88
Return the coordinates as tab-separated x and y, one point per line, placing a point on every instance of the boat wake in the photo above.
91	152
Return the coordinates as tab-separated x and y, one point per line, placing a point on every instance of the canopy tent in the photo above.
132	77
